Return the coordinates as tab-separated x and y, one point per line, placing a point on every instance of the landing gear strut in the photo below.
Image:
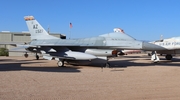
37	57
107	65
60	63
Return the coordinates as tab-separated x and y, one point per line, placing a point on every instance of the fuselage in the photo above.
171	45
100	42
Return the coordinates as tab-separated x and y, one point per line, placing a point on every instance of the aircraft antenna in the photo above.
48	29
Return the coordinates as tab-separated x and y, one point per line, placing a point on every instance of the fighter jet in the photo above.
171	47
68	50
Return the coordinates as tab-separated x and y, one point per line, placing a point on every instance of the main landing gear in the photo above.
60	63
26	55
155	58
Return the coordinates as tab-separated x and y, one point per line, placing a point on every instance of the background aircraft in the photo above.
99	47
171	46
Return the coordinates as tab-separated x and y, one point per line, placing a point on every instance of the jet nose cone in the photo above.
151	46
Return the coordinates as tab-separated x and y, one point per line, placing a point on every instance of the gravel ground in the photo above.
131	77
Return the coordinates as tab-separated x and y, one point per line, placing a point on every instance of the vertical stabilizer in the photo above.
36	30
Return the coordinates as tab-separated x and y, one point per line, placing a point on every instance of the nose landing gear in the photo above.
26	55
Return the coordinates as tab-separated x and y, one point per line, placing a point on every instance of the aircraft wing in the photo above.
19	46
18	49
11	43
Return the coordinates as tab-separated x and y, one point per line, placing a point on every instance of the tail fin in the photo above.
36	30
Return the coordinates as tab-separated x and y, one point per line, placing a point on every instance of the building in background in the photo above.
19	37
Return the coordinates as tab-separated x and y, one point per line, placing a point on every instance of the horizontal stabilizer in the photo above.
18	49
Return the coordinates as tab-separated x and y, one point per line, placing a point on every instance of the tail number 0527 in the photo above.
39	31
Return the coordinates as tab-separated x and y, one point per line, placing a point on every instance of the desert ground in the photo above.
130	77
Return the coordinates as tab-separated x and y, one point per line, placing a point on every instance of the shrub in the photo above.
4	52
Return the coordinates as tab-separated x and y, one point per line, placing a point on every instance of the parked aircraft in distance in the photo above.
68	50
171	47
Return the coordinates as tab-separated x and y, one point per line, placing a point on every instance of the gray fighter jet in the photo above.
68	50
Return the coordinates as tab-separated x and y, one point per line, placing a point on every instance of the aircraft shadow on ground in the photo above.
131	63
16	65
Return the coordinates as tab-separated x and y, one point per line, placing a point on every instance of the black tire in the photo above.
37	57
149	54
168	57
26	55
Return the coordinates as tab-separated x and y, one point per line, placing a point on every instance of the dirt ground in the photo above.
131	77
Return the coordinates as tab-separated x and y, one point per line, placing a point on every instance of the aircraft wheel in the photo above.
26	55
149	54
37	57
168	57
60	63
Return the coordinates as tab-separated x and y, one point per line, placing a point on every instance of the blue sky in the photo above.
142	19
